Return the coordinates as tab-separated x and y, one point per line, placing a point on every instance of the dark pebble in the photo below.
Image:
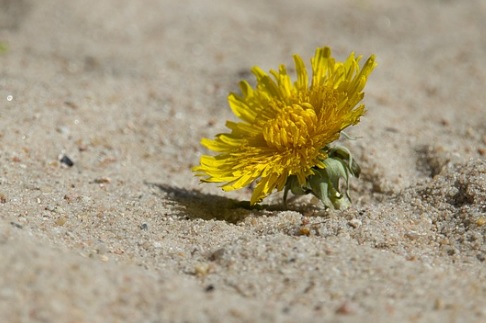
18	226
66	161
209	288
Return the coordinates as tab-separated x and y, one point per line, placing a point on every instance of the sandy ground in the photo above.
126	90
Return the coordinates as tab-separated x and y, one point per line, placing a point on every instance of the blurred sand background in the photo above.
126	90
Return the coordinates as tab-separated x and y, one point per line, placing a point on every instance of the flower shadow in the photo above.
196	205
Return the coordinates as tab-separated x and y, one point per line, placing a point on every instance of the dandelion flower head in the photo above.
286	126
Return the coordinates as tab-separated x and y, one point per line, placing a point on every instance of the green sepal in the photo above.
325	182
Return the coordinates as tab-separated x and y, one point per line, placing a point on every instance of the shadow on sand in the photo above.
197	205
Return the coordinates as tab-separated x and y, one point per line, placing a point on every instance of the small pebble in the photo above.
209	288
202	269
60	221
412	235
102	180
346	308
217	255
481	221
104	258
355	223
65	160
63	130
18	226
438	304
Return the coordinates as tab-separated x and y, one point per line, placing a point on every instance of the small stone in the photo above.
60	221
202	269
346	308
104	258
63	130
355	223
65	160
18	226
209	288
481	257
71	104
304	231
481	221
438	304
412	235
102	180
217	255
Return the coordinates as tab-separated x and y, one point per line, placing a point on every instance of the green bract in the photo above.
325	183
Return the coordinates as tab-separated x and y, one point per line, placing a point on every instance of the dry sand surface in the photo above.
126	90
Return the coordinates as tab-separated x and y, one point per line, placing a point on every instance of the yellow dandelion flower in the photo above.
282	140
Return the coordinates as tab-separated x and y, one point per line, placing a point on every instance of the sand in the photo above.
125	90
